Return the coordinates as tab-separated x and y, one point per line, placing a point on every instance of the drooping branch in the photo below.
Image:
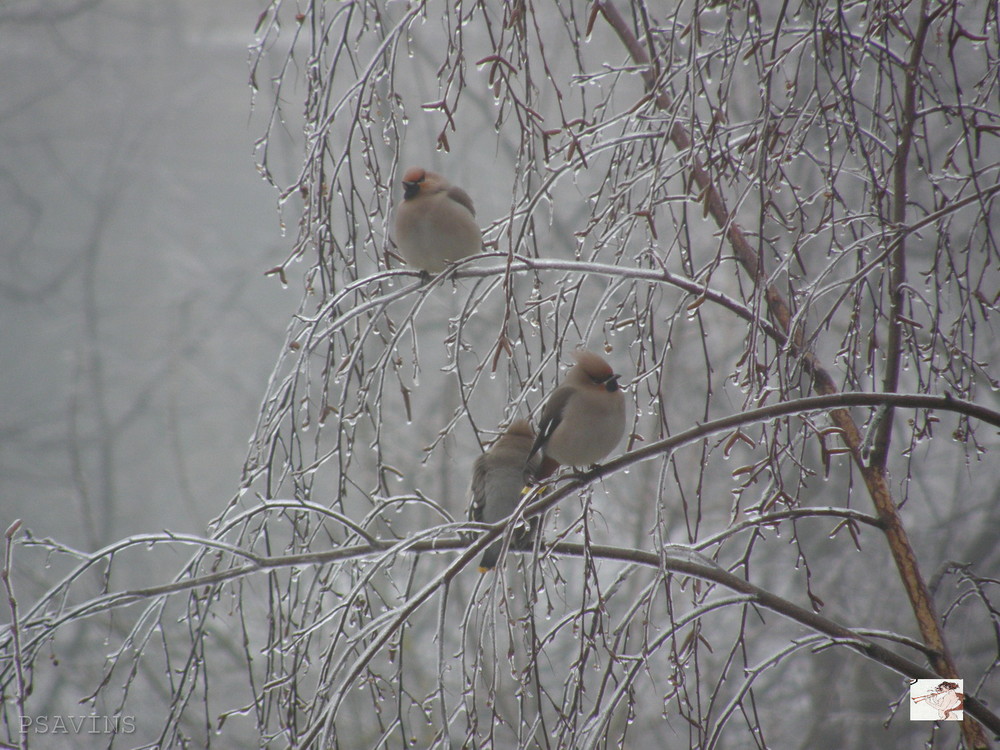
897	255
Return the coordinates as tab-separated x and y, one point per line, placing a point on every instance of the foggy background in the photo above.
140	334
137	328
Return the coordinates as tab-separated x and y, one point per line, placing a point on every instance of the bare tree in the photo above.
776	221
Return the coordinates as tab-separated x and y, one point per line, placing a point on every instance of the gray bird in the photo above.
498	477
436	222
583	419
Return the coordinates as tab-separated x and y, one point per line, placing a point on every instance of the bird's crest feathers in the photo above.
593	364
414	175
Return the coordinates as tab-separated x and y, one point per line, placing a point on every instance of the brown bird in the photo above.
584	418
436	222
498	477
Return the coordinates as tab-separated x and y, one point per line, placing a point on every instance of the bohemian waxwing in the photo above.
498	476
436	223
584	418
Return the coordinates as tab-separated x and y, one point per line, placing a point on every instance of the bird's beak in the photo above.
610	383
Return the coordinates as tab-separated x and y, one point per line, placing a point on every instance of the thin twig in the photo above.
15	629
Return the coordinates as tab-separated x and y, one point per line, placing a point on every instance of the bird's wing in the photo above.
552	414
460	196
477	506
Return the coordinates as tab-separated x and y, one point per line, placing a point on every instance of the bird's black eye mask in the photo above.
610	383
412	187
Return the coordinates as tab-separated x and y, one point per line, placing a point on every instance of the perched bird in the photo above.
436	223
498	477
584	418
